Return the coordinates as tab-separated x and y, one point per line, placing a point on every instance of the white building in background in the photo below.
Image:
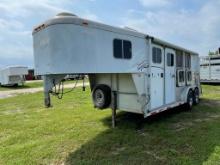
13	75
210	69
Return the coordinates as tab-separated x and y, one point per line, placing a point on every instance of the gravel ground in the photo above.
12	93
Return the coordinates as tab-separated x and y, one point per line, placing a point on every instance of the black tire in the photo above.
190	97
15	85
196	96
101	96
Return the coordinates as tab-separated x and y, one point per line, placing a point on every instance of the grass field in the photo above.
73	132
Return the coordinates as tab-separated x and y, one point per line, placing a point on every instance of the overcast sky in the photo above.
194	24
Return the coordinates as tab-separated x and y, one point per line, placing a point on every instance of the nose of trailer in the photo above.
45	24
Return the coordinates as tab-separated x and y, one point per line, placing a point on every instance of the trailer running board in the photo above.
164	108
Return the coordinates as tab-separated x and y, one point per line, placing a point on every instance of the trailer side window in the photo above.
188	60
170	59
122	49
189	76
179	59
181	77
127	49
157	55
117	48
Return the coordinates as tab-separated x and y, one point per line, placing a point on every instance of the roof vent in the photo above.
66	14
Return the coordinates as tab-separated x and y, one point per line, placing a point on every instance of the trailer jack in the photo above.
114	108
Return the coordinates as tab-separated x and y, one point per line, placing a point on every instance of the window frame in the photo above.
178	55
124	51
161	55
122	47
188	82
172	58
181	83
114	48
188	60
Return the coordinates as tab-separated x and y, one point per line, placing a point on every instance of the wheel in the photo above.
189	100
196	96
15	85
101	96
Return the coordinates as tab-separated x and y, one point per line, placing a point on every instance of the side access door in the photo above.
157	77
170	76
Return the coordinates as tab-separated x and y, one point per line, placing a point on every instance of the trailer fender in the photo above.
185	93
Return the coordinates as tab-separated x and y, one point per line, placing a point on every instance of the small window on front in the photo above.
118	48
157	55
127	49
122	49
170	59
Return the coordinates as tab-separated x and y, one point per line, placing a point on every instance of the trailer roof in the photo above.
68	18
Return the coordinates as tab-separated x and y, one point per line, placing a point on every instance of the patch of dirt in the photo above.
118	150
185	125
210	103
181	126
206	117
10	112
155	156
12	93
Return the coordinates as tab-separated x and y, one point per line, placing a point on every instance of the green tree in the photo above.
211	53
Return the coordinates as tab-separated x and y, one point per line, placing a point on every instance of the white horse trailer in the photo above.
210	69
13	75
127	70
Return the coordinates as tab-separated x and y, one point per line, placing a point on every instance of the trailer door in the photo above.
157	77
170	78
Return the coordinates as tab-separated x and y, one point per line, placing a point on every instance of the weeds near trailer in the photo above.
72	132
